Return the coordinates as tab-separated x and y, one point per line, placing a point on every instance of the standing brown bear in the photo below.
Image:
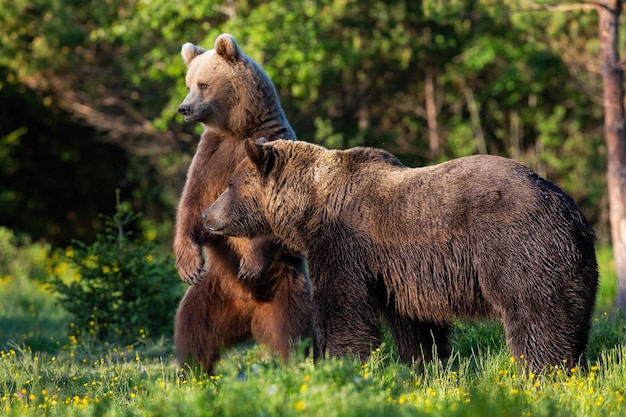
234	99
469	238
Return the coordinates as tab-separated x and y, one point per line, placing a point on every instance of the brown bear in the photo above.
234	99
469	238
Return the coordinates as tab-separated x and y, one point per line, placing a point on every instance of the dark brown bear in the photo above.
469	238
234	99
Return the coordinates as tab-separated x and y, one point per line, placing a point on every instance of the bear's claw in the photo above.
257	258
189	262
244	276
195	278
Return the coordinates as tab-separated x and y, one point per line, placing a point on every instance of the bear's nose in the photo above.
183	109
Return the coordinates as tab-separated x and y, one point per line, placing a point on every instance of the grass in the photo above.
45	372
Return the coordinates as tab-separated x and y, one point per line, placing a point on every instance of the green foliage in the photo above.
30	313
607	290
117	288
508	79
20	257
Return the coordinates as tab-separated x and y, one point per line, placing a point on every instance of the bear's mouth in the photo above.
216	230
189	117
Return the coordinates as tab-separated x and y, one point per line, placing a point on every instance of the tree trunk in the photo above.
472	106
515	135
431	114
615	136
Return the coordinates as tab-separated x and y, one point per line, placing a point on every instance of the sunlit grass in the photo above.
249	382
607	290
70	381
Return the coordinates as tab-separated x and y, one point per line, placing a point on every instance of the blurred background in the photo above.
89	92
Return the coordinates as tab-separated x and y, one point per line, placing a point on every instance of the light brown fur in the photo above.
234	99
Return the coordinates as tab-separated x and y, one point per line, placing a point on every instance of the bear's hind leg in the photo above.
209	319
419	341
549	341
283	316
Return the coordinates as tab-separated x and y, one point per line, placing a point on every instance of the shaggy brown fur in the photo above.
469	238
234	99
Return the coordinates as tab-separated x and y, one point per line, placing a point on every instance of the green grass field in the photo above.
43	371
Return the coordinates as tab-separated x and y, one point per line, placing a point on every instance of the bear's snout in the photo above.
184	109
211	222
205	215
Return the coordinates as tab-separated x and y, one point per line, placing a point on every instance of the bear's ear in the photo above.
189	51
261	154
226	47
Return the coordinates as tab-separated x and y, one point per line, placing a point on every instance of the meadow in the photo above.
47	371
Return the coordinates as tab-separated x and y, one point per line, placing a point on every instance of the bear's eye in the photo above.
203	86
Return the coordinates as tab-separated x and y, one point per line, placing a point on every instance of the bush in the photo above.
20	257
121	289
30	312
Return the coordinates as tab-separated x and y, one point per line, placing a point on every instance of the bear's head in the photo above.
273	191
226	87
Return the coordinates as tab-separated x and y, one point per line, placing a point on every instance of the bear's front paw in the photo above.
196	277
257	258
250	268
189	263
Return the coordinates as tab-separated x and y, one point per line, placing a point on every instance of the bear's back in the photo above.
452	198
361	156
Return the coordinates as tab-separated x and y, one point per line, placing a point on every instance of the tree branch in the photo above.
121	124
561	7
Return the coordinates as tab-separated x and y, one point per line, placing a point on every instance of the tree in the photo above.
615	135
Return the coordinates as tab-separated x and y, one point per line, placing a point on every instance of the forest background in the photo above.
89	134
89	92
